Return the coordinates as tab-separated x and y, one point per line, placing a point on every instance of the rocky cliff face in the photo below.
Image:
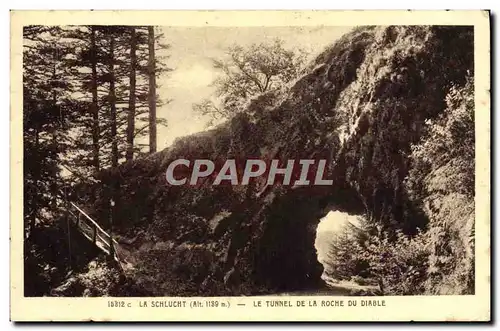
360	105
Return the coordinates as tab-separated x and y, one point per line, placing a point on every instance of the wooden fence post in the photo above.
94	235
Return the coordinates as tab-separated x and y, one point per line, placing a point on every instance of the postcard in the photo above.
250	166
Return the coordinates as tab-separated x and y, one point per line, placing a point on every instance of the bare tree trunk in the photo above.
131	102
112	101
36	177
152	90
95	107
114	185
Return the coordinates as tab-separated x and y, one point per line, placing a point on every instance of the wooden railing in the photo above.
93	232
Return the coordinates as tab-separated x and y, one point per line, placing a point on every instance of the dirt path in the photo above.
344	288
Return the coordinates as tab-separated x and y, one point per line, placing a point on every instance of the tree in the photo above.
47	106
152	90
344	258
112	101
47	109
247	72
85	94
131	105
113	96
95	106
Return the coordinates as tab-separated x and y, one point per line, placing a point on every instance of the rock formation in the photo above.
360	104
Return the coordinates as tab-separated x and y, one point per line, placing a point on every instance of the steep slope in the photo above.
361	105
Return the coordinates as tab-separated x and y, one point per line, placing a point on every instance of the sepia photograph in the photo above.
289	162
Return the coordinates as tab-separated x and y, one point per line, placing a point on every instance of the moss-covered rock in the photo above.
361	105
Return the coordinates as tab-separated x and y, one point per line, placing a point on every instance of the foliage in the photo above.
398	264
58	94
100	278
58	129
46	104
443	161
344	256
247	72
441	181
178	271
45	266
384	111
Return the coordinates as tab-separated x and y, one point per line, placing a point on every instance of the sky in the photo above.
190	56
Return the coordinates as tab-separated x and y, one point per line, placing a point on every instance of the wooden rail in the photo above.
94	233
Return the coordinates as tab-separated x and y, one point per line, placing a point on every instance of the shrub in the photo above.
399	264
441	181
344	256
100	279
365	254
178	271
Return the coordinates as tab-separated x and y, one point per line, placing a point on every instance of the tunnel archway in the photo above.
285	258
329	230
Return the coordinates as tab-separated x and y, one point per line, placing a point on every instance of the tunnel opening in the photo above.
334	225
286	259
